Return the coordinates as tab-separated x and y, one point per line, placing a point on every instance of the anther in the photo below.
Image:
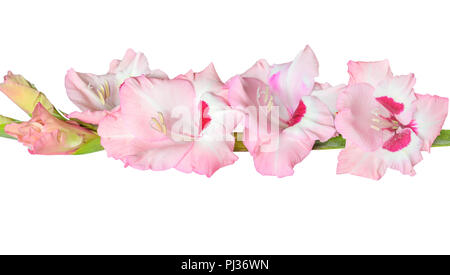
159	124
375	127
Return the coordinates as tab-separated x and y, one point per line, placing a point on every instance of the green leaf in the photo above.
443	139
333	143
91	146
2	132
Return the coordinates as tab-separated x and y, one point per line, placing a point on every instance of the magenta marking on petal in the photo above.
298	114
206	119
413	126
398	141
274	81
390	104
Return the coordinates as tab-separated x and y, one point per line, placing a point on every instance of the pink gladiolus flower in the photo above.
96	95
46	135
183	123
283	97
385	122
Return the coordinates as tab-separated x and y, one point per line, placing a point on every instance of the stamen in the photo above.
107	90
375	127
159	124
270	104
266	95
100	95
103	92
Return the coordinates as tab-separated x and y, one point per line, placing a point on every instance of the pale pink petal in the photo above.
101	92
369	72
278	153
223	116
353	160
132	64
321	86
396	94
293	80
91	92
354	120
213	149
302	72
205	81
143	99
243	92
356	161
245	95
135	150
329	96
92	117
317	122
261	70
130	135
430	117
158	74
207	155
280	156
405	158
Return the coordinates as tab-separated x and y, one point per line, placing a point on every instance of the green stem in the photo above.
335	143
339	142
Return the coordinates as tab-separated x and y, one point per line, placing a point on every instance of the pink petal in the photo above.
136	151
243	92
293	80
214	148
329	96
353	160
129	135
52	143
321	86
369	72
221	114
92	117
405	159
430	117
317	122
133	64
101	92
205	81
91	92
302	72
261	70
46	135
277	155
243	96
207	156
355	117
282	154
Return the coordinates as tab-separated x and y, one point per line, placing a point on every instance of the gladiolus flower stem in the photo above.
443	140
338	142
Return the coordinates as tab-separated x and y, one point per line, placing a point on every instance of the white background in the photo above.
91	204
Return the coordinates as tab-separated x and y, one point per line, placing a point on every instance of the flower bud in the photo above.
44	134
